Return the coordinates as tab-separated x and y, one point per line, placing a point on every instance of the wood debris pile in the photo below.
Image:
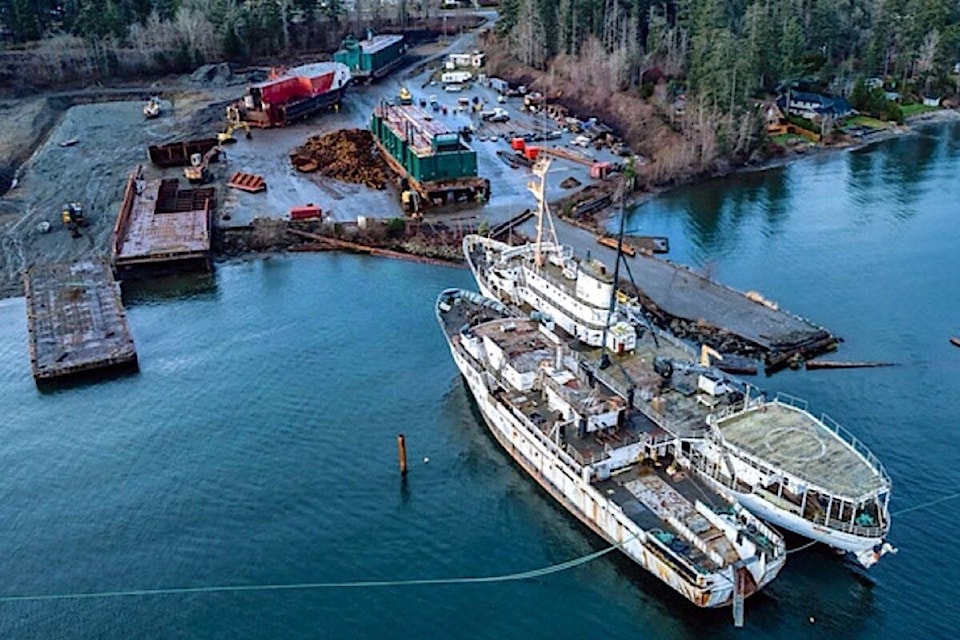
348	155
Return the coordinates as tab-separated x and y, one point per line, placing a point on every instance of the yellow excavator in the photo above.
234	122
73	218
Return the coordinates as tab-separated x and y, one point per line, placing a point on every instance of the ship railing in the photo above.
854	529
844	434
551	446
775	542
688	569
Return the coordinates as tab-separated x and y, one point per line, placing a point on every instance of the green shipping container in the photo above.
451	159
363	62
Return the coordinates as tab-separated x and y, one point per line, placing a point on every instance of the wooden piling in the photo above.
402	452
830	364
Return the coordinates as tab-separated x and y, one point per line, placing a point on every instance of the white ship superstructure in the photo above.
800	472
607	464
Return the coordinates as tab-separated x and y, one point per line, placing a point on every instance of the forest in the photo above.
680	78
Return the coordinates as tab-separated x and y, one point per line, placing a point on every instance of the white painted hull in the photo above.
860	546
564	482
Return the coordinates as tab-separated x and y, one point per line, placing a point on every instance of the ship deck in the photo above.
789	439
676	404
649	496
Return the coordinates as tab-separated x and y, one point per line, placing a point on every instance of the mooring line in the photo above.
364	584
925	505
367	584
802	547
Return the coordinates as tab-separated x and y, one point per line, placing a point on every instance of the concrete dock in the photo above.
161	225
75	320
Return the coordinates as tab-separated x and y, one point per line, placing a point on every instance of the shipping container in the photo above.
306	212
373	57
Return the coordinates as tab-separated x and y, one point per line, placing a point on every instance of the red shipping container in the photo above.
517	144
531	152
305	212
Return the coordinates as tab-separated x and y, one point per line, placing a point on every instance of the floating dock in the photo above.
161	225
76	321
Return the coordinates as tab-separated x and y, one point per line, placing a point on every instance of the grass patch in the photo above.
784	139
867	121
914	109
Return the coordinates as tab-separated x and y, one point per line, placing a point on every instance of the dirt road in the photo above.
83	154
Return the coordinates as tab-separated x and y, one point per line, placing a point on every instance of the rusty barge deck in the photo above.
161	225
678	292
76	321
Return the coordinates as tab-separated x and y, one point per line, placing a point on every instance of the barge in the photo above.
293	94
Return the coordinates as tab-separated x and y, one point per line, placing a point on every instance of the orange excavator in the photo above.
199	170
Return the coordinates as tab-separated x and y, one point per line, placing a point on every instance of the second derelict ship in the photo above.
604	462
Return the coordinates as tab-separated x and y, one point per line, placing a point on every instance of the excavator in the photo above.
234	122
405	97
199	170
152	108
72	217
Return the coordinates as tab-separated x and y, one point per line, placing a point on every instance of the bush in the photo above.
396	227
803	123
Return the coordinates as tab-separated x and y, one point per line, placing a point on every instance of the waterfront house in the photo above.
813	105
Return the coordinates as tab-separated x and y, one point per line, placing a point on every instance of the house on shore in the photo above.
813	105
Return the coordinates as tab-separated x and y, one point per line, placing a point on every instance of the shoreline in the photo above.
910	127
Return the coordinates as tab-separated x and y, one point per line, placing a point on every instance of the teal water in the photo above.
257	443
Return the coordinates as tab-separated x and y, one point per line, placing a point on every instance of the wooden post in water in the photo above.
402	452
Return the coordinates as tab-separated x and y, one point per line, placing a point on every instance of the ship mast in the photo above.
539	190
627	182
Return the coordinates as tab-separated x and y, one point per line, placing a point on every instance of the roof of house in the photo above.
821	104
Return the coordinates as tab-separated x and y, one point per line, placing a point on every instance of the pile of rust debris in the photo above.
348	155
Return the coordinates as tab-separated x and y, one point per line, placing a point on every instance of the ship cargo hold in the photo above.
294	94
372	58
439	166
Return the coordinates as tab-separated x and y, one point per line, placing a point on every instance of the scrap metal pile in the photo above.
348	155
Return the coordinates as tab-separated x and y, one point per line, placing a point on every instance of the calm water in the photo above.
257	444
